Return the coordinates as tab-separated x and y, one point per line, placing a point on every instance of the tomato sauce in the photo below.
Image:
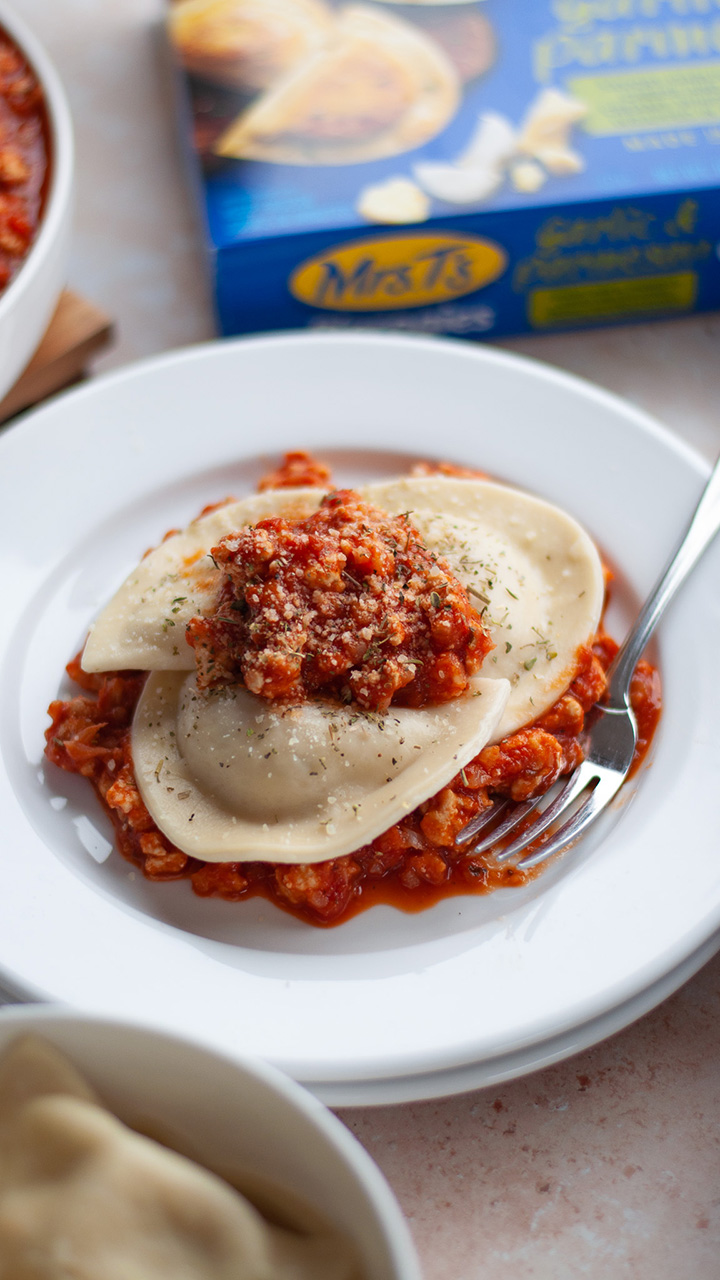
24	154
347	603
412	865
298	470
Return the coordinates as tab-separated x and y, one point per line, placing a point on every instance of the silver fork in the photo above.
610	742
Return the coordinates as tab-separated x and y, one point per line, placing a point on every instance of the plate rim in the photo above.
34	417
37	420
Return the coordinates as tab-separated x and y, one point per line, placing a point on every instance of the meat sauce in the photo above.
23	158
412	865
346	604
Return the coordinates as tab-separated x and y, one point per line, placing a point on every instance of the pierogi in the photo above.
228	776
377	87
247	44
83	1195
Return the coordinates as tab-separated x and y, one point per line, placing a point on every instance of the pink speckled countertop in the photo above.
606	1165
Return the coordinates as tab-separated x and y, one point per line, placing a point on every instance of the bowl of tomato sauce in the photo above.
36	183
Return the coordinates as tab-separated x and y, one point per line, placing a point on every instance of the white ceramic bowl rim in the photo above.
398	1249
61	154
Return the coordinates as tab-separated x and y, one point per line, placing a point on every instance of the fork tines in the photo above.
513	816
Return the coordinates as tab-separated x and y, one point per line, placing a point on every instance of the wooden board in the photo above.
78	331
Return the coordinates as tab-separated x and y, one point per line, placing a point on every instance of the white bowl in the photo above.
232	1114
28	302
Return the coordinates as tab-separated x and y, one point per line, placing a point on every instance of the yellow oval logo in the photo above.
389	273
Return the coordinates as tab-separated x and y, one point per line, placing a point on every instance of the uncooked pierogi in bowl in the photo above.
128	1152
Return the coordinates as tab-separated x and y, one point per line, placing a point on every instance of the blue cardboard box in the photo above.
476	168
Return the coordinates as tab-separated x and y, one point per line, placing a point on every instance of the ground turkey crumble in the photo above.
348	603
411	865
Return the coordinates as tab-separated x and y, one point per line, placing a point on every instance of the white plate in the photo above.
388	1005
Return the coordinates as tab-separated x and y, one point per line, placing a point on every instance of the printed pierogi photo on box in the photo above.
473	167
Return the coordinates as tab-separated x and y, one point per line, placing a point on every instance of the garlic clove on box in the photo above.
560	160
397	200
527	176
492	144
458	185
549	120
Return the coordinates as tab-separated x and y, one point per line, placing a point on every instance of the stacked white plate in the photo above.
388	1006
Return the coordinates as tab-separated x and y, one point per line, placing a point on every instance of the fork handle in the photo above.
703	527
